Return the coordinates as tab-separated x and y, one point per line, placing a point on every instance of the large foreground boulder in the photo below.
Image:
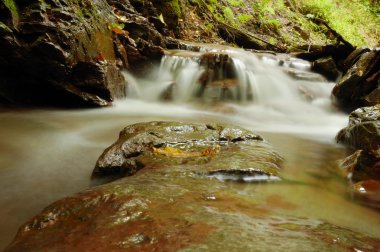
178	201
153	212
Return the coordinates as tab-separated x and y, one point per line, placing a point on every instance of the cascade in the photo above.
271	91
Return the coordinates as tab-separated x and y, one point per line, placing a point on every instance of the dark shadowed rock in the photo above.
363	130
46	43
362	165
354	57
327	67
205	149
357	85
314	52
71	53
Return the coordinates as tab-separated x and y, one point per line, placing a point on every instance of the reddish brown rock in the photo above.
368	192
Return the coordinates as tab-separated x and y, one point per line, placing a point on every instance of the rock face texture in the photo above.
179	200
210	149
71	53
363	130
360	84
58	52
363	166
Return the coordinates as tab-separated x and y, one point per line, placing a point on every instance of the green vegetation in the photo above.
357	21
11	5
236	2
229	15
244	18
294	23
4	28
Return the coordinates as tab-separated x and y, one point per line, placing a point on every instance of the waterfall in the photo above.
271	91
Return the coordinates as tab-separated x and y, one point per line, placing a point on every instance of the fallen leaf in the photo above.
119	31
176	152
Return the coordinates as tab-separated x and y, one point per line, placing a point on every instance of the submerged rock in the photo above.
172	204
201	148
304	75
152	211
363	130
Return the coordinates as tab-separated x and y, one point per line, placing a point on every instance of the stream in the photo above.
47	154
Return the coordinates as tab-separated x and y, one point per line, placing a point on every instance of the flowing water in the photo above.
50	154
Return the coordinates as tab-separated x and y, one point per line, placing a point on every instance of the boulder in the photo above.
58	53
367	192
362	165
205	149
69	53
153	212
356	87
314	52
353	57
327	67
363	130
180	200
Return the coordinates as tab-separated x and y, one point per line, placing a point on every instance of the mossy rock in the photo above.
171	11
206	150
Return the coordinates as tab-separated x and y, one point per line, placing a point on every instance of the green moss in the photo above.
11	5
244	18
4	28
171	11
229	15
174	7
357	21
236	2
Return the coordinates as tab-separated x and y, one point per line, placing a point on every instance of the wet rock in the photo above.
327	67
315	52
44	43
303	75
363	130
218	78
200	148
72	53
361	79
374	96
353	57
362	165
218	67
154	212
368	192
243	175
